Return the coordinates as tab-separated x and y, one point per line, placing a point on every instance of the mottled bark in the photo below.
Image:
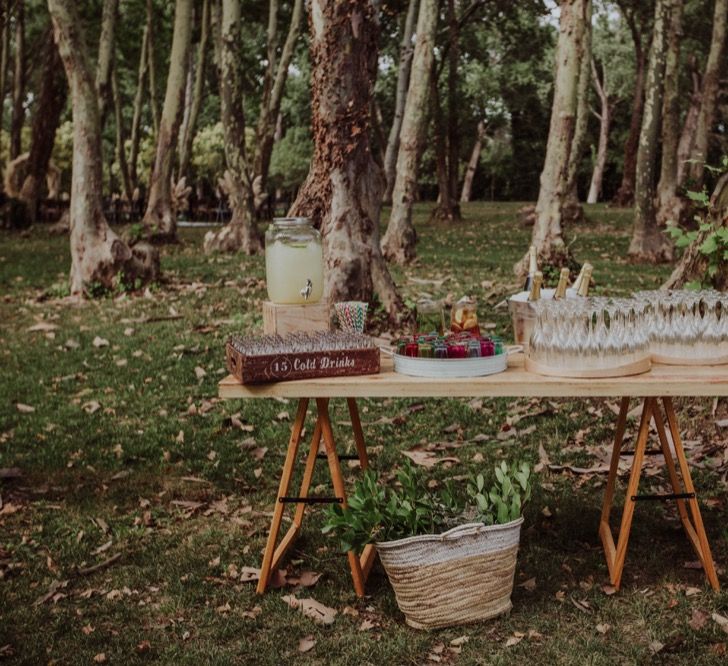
120	137
48	109
693	264
242	232
574	211
473	162
190	124
605	121
138	102
448	206
343	191
17	117
4	58
649	243
690	125
709	97
160	221
625	193
406	51
669	204
152	69
97	254
398	244
274	86
547	235
106	56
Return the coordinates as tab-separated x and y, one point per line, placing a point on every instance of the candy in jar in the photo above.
464	317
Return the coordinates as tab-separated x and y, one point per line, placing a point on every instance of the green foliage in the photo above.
208	152
713	236
379	513
291	158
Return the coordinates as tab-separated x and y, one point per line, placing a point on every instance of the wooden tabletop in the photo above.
662	380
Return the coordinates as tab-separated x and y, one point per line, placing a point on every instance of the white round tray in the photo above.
450	367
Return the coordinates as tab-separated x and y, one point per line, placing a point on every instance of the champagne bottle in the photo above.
580	277
535	292
532	268
563	283
585	282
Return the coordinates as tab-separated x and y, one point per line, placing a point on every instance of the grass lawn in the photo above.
127	451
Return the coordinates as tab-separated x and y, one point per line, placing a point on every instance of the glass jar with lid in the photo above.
294	261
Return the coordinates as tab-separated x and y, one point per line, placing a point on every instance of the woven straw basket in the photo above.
464	575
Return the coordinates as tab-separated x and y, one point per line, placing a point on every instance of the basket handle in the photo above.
463	530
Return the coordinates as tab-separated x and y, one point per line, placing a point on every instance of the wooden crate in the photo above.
284	319
304	365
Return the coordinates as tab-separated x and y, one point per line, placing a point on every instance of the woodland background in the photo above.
133	501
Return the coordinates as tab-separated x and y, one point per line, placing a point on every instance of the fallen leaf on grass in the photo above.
529	584
721	621
312	608
100	342
103	548
100	658
609	590
259	452
88	629
692	591
698	619
143	647
225	608
306	643
24	409
253	612
283	416
656	646
603	628
366	625
515	639
43	327
457	642
91	406
200	372
428	459
306	579
543	459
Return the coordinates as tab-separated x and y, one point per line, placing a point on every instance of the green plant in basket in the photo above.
377	512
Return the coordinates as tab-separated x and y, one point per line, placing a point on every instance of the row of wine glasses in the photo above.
686	325
589	333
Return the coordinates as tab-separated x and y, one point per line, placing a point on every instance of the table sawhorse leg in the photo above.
682	493
360	565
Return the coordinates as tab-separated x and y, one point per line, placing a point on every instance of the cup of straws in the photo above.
351	315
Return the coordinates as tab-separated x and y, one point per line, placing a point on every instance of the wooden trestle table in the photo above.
655	388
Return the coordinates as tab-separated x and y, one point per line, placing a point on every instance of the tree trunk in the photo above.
265	131
343	191
625	193
574	211
242	232
649	243
46	118
445	209
605	120
106	57
160	221
453	106
709	97
120	138
97	254
138	102
693	264
4	57
669	204
473	162
406	50
153	99
188	135
18	112
547	235
690	125
398	244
